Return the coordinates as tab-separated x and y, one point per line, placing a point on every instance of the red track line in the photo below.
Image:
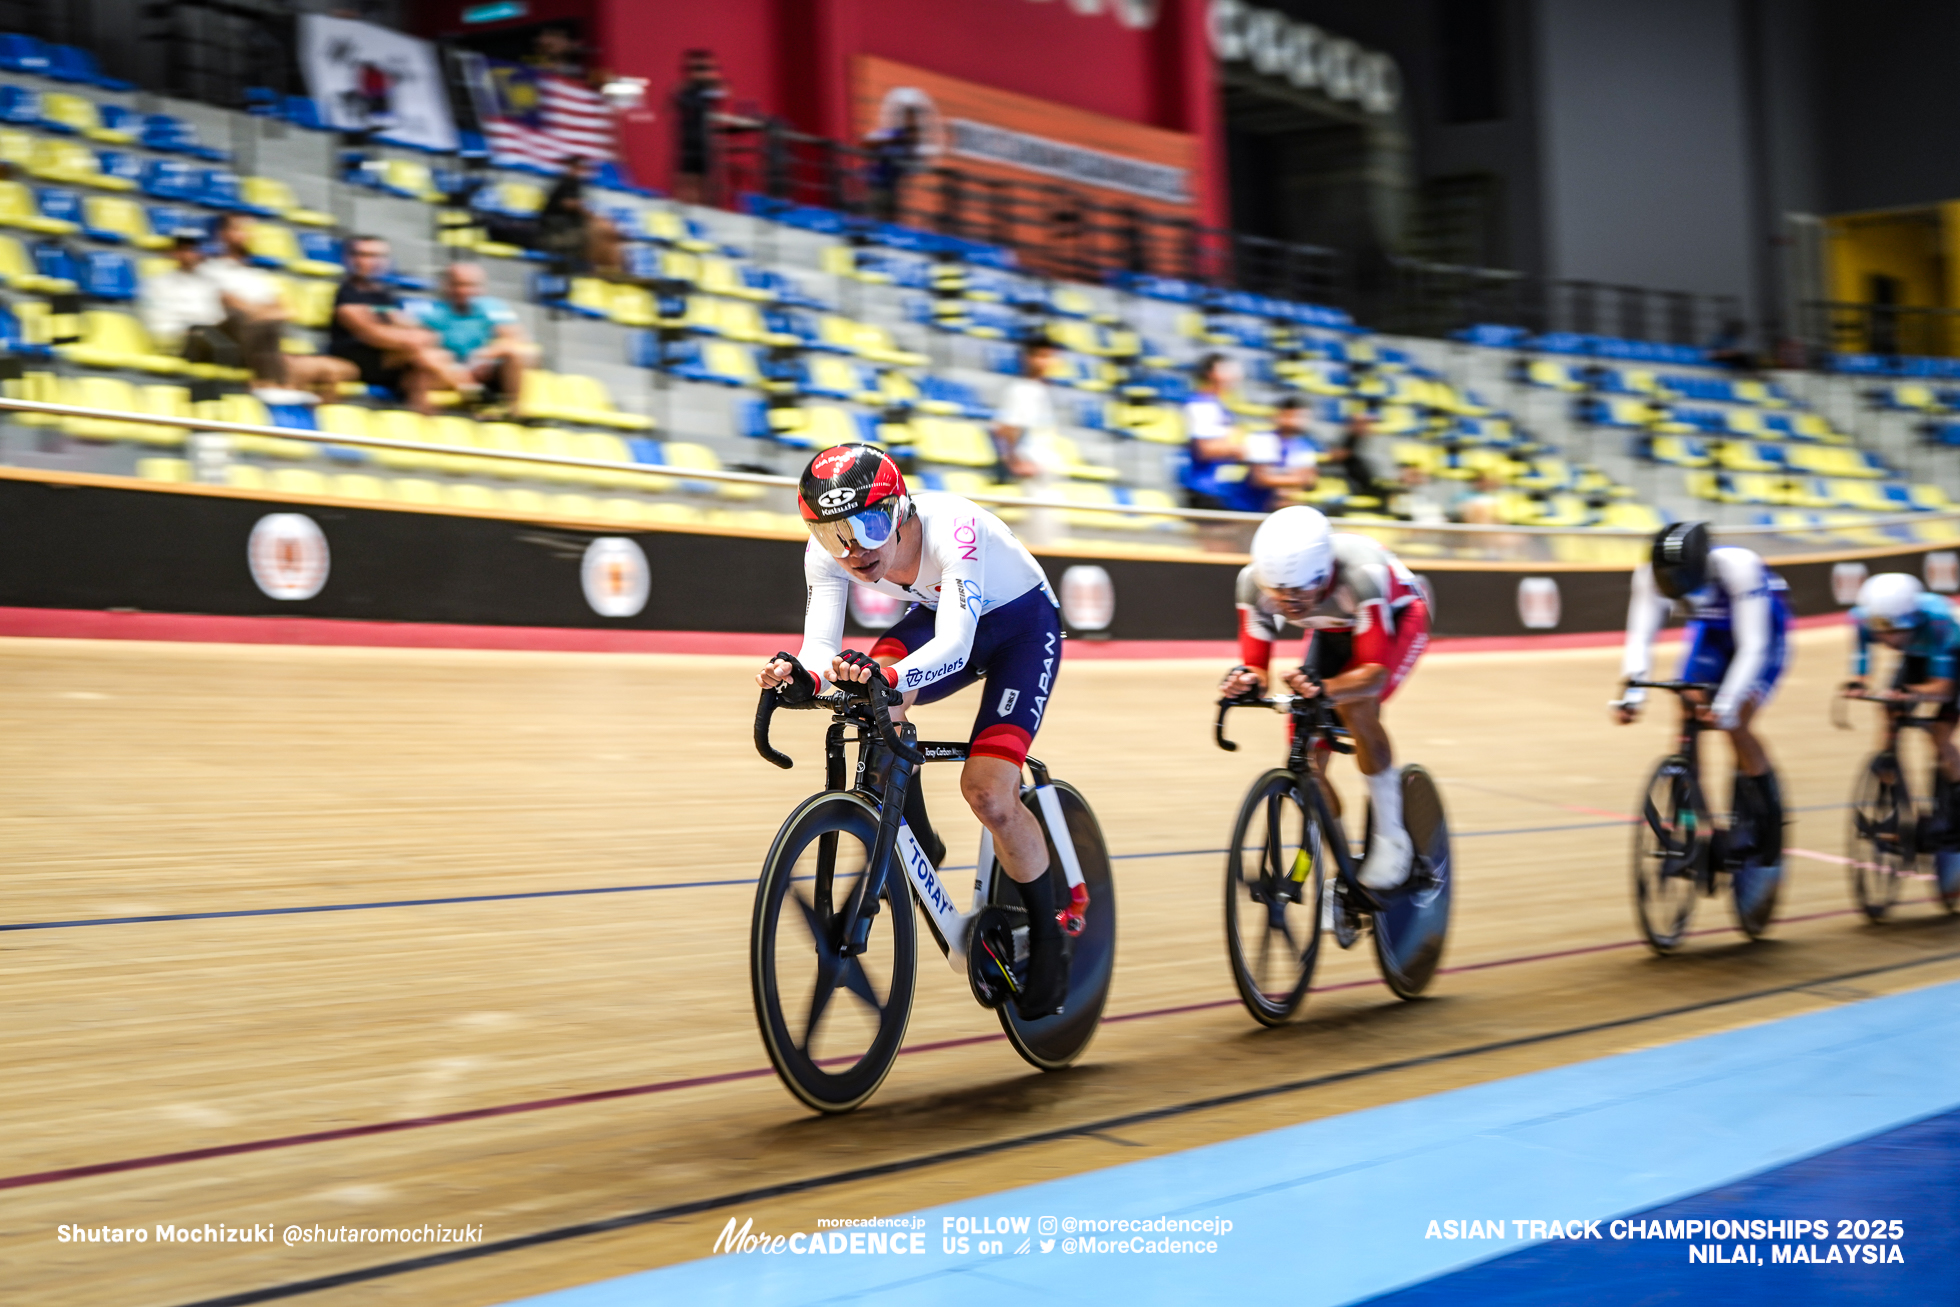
695	1082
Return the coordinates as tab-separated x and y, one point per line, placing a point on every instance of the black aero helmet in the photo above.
1680	558
852	493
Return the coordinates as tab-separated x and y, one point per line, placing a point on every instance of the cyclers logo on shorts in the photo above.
1008	698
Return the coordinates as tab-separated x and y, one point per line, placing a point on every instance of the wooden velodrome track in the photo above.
145	780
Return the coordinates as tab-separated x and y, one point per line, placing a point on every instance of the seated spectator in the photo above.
1362	461
1215	442
255	320
1282	464
1726	349
1477	502
480	331
373	332
574	237
1024	431
180	308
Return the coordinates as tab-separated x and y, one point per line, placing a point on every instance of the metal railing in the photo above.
1891	330
1053	229
1194	530
1435	299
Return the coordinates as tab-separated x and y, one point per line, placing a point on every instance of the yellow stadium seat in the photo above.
1073	464
410	177
685	455
297	481
18	271
117	340
73	163
667	227
1551	374
175	470
416	491
269	193
471	496
633	306
527	501
104	393
80	116
1157	424
244	476
387	424
357	485
956	441
17	209
578	508
125	218
272	241
719	276
246	410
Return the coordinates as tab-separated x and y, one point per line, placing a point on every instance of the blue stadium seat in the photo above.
71	63
60	203
301	111
170	179
320	246
52	259
20	106
121	164
262	102
218	188
23	54
109	275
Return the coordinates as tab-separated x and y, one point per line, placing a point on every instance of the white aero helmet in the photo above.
1890	601
1293	550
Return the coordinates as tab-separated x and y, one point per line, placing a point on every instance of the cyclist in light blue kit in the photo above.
1895	610
1739	620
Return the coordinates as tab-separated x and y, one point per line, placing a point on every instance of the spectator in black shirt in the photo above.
576	238
371	331
695	102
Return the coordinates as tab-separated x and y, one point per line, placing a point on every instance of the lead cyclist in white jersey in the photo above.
981	608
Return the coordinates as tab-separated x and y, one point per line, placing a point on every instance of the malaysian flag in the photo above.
539	119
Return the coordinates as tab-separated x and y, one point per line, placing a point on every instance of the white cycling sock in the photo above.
1385	793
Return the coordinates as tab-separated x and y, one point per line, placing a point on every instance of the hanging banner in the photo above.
994	133
370	79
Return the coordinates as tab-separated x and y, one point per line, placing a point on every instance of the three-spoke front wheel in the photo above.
832	1021
1670	854
1274	871
1881	837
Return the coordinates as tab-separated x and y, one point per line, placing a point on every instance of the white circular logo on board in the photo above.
1943	571
875	610
1088	598
288	556
1538	603
616	577
1845	580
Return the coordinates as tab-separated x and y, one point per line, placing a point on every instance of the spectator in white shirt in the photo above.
255	319
1024	431
175	306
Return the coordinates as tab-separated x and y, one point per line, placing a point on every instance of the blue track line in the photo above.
640	889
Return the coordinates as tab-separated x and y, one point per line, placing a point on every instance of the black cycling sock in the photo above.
915	817
1038	895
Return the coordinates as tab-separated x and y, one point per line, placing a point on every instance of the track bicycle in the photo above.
1892	827
1680	852
833	978
1286	835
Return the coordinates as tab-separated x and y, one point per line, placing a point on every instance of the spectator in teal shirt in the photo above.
481	331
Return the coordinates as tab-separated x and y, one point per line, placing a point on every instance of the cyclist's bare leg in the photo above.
1750	756
992	788
1363	719
1948	755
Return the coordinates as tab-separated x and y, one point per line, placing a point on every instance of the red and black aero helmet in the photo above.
852	494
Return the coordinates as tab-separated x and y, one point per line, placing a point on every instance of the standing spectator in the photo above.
480	332
696	102
1728	350
894	152
554	51
1024	432
255	320
180	308
577	239
387	349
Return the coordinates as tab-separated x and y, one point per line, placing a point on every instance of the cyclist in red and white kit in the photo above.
981	608
1367	622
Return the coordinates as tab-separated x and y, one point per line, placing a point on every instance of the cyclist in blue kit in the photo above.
1738	623
1895	610
981	608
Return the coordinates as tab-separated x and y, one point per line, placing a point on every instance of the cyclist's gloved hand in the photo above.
1243	684
800	688
877	679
